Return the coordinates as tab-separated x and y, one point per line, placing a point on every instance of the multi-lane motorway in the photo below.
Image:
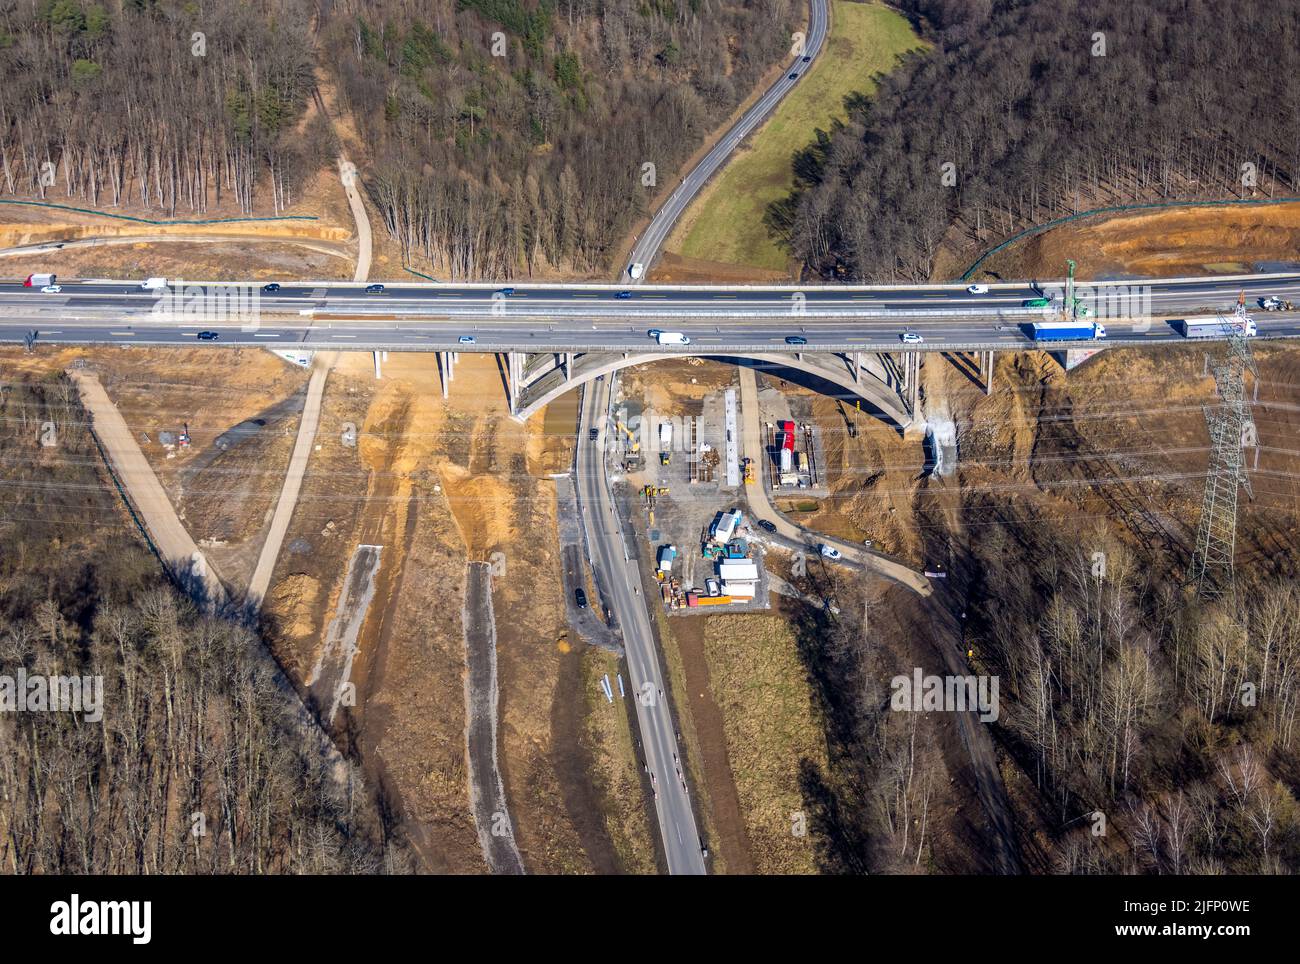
603	317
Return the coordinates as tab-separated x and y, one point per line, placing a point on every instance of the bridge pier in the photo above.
377	372
446	370
986	371
911	381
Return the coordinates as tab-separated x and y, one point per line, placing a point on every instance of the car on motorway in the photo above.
208	336
794	76
51	289
593	433
807	58
669	337
635	270
580	598
1271	303
465	339
767	525
375	289
271	287
506	291
830	552
1036	303
978	289
911	338
623	294
796	340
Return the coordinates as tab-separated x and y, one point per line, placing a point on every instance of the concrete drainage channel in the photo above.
486	791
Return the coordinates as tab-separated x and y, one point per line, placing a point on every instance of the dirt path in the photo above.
261	581
486	790
348	175
335	249
178	551
760	506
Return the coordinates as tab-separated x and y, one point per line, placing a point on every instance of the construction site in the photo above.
685	466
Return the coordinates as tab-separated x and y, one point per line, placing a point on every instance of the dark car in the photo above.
806	59
593	434
624	294
374	289
506	291
767	525
272	287
794	76
208	335
580	598
796	340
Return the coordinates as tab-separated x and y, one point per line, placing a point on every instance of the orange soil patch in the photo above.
1167	243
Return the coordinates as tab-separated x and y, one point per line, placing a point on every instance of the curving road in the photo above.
647	246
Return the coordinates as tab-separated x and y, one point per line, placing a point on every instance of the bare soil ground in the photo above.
1153	244
436	483
222	497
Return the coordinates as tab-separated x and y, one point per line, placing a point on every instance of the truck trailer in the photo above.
1216	326
1067	331
40	280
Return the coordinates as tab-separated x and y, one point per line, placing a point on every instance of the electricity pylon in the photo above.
1232	429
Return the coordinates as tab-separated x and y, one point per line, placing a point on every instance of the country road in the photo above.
648	246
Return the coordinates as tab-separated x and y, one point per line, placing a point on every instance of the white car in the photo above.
830	552
635	270
911	338
51	289
978	290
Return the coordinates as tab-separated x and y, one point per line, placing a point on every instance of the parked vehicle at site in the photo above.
830	552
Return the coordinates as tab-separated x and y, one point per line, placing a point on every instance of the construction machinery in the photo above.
748	465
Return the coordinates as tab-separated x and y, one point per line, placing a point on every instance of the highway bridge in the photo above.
555	337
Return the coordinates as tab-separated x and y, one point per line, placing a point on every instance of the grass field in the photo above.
726	223
761	686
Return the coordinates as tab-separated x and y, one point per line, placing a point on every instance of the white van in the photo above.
671	338
153	284
635	270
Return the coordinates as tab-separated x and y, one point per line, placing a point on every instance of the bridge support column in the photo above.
986	371
377	371
857	366
514	374
446	363
911	380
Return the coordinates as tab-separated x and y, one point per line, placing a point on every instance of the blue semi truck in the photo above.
1067	331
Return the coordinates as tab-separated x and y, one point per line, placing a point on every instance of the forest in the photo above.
198	764
501	137
505	155
1027	111
165	106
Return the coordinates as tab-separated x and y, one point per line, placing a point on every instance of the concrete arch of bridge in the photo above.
830	376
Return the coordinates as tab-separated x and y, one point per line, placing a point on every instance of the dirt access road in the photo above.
760	506
178	551
261	581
